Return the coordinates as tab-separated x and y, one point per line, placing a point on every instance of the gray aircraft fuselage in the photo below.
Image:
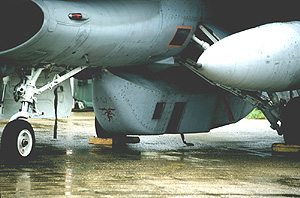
110	33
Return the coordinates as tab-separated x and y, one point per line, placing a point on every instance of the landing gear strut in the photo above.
18	140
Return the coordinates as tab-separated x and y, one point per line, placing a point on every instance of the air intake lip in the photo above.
20	21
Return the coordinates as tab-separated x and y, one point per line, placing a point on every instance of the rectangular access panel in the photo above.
176	117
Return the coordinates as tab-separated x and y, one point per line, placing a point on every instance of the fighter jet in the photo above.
158	66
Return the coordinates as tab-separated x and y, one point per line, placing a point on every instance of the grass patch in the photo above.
256	114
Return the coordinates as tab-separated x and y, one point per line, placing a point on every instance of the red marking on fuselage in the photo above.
108	113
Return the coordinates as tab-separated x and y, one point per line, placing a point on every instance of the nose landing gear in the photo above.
18	140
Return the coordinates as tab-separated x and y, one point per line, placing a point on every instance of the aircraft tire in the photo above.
17	141
290	122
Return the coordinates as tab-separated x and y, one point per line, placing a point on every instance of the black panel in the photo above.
180	37
176	117
160	106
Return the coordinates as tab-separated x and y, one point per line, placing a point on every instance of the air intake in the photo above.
20	21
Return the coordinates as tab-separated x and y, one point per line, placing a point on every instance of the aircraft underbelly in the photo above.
134	104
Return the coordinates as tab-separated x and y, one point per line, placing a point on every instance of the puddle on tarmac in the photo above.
159	166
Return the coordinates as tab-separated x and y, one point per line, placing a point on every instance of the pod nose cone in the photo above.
255	59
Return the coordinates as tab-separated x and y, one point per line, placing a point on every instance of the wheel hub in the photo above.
24	143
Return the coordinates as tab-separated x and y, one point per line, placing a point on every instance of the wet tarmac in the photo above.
232	161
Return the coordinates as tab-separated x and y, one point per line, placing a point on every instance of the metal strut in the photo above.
27	89
5	81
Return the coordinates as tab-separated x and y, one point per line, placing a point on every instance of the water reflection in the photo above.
68	176
143	170
23	185
68	180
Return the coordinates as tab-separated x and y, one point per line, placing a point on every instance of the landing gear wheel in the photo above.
290	122
18	140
